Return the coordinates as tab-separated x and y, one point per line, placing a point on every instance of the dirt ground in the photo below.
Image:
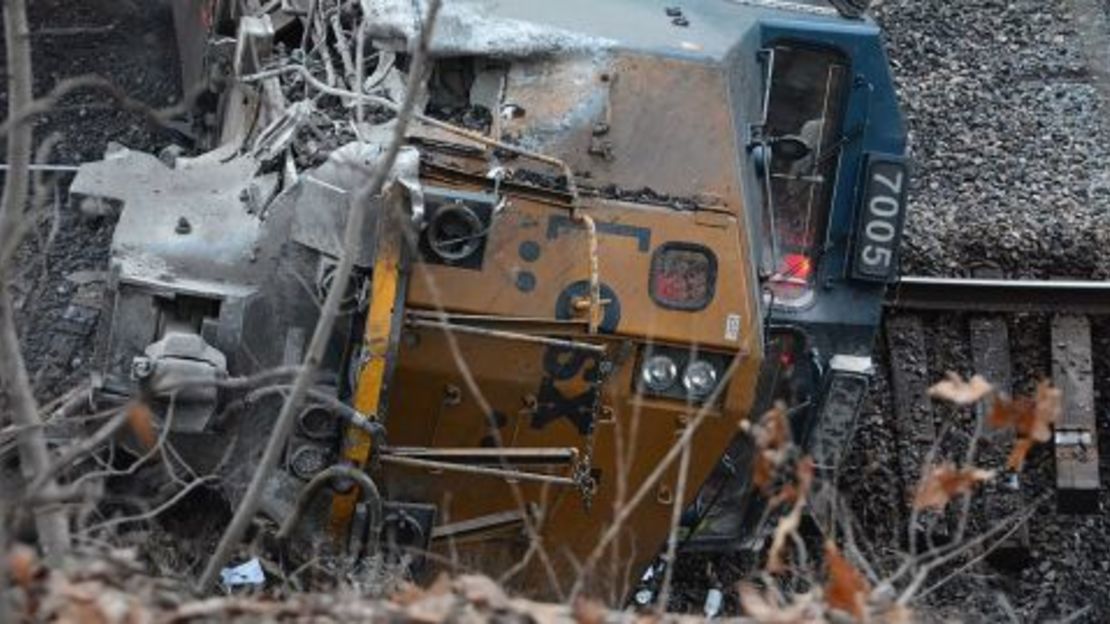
132	43
1009	149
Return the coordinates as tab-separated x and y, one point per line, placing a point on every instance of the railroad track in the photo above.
916	304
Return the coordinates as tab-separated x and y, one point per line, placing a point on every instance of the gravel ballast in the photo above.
1008	132
1006	104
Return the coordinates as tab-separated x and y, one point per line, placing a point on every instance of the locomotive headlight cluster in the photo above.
679	374
659	373
699	379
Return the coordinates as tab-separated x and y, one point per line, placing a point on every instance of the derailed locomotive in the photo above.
613	226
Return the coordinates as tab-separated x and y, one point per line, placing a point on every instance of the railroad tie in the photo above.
990	353
1076	434
913	411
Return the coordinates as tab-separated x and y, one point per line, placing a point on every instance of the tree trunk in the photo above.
53	527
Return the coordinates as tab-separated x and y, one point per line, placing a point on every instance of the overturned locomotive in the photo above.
614	226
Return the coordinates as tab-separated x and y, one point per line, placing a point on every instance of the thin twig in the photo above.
976	559
672	537
910	592
157	511
121	99
79	449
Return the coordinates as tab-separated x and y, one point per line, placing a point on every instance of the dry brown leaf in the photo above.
763	471
788	524
589	611
954	389
1007	412
141	421
767	608
1016	460
846	589
481	591
946	481
23	563
407	594
772	437
1049	406
1031	418
774	428
896	614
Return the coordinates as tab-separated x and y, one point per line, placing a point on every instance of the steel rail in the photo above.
999	295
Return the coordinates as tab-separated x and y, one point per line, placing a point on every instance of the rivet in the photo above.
183	226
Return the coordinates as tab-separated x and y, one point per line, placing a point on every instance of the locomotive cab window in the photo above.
805	106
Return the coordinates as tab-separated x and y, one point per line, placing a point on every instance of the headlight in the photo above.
700	378
659	373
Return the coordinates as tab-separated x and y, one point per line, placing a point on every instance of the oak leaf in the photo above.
954	389
944	482
1031	419
1016	461
141	421
846	589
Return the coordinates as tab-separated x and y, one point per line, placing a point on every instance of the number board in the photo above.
879	231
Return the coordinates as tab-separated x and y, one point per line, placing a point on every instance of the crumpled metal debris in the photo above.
279	133
249	573
469	27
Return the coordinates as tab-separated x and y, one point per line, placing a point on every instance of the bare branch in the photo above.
120	98
53	526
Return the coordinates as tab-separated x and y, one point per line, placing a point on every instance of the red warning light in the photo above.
798	266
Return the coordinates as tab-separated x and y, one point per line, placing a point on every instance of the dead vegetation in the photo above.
795	587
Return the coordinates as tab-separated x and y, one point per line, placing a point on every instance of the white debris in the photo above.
713	602
469	28
249	573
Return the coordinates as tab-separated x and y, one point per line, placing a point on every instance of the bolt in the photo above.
452	395
141	367
530	402
183	226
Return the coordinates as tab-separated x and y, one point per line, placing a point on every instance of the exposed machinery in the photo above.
611	222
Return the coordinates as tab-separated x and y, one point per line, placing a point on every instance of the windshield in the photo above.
804	110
